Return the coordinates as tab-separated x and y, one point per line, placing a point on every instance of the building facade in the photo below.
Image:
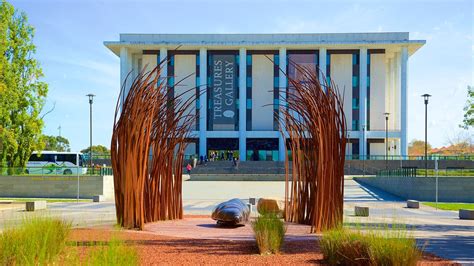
245	76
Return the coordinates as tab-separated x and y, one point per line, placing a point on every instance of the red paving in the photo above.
206	228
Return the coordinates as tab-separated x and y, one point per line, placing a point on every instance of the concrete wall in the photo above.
184	80
262	92
56	186
450	189
341	73
149	61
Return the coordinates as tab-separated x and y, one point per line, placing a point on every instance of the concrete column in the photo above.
282	91
403	99
363	100
322	64
125	68
163	58
394	91
203	102
242	104
388	99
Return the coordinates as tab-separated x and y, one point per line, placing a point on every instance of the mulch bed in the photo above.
156	249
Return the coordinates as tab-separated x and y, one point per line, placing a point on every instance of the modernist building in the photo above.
245	73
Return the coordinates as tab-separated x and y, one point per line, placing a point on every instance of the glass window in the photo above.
355	103
355	81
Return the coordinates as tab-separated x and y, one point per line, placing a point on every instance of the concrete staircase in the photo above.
245	171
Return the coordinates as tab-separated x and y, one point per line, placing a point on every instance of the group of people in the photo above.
216	156
223	156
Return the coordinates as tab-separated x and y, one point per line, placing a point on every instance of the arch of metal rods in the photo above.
313	116
149	137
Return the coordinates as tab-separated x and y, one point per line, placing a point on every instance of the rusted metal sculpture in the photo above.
313	117
149	136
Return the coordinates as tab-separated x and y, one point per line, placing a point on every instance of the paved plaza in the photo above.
441	232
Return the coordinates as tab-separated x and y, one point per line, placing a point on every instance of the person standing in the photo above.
188	168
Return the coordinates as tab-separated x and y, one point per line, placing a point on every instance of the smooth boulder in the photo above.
268	205
231	212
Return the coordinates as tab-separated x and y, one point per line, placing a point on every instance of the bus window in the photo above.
81	160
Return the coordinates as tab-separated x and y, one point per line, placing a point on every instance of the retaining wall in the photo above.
450	189
56	186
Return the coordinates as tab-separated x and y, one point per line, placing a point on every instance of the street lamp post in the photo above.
386	140
426	98
91	101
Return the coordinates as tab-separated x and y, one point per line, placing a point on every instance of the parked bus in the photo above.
55	163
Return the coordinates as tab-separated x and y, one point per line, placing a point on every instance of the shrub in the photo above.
37	241
375	246
269	231
116	252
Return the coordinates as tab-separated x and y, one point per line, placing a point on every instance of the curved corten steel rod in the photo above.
151	127
312	114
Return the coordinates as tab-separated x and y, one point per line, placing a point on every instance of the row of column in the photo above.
126	62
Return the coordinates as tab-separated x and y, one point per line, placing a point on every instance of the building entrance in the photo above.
222	149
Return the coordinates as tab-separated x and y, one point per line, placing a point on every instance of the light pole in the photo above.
426	98
363	148
91	101
386	140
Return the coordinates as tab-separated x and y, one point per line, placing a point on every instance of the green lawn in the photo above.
450	206
47	199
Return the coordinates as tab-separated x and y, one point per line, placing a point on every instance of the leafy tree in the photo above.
97	149
468	120
22	94
56	143
417	147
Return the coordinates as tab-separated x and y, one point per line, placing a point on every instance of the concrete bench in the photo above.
98	198
466	214
32	206
413	204
361	211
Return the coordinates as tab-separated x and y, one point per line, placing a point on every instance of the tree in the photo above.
417	148
22	94
56	143
97	149
468	120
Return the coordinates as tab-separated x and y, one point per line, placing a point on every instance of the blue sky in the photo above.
70	35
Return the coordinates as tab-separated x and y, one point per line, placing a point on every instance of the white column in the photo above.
388	100
164	69
125	68
203	102
363	100
242	104
282	92
322	64
403	99
394	91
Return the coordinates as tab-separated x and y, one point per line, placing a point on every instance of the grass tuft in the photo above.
116	252
38	241
372	246
269	231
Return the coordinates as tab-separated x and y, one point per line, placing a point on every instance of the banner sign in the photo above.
223	92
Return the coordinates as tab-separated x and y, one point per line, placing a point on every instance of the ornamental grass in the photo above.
38	241
269	231
380	245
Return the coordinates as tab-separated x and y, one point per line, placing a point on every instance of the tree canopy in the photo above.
22	94
417	147
56	143
97	149
468	120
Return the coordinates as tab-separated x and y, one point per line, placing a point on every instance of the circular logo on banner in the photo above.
229	113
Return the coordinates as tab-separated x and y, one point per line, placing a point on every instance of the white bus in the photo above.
56	163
